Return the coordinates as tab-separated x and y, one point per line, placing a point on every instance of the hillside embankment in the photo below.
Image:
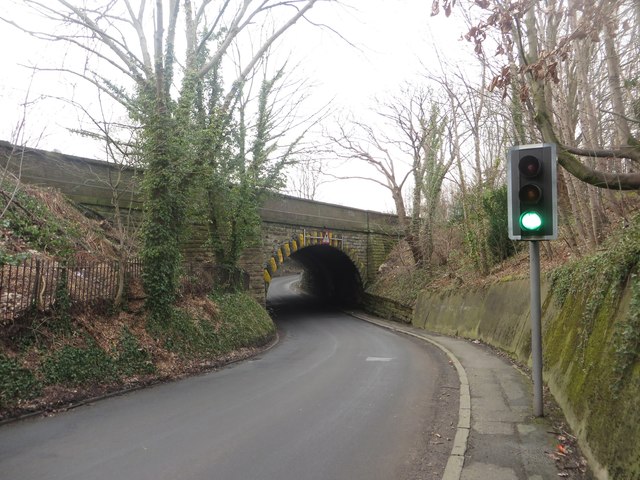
63	336
58	361
591	343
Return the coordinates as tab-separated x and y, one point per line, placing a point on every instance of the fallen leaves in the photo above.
567	456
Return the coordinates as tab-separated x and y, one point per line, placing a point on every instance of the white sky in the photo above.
395	40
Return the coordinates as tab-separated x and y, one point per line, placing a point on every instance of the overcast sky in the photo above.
394	41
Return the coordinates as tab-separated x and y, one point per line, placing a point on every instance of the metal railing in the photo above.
36	284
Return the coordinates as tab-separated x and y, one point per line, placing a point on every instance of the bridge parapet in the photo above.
312	214
366	236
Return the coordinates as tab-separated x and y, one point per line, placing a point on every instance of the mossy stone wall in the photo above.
578	352
497	314
387	308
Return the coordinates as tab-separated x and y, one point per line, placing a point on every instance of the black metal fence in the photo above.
39	284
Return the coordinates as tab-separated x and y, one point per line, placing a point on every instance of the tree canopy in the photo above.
164	60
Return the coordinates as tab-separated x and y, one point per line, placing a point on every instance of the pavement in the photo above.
498	437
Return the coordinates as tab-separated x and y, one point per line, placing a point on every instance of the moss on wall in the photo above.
591	343
386	308
378	248
581	357
581	368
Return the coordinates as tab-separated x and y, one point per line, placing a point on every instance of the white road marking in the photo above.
379	359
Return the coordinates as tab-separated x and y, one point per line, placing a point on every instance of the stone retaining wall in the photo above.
386	308
578	357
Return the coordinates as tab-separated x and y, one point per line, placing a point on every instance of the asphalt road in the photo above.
337	398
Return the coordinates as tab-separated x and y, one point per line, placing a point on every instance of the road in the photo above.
337	398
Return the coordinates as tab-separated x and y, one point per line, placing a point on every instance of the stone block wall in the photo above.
387	308
578	356
378	248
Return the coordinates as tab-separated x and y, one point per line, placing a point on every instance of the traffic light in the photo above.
532	192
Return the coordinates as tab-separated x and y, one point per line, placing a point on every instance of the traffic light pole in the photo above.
536	328
532	206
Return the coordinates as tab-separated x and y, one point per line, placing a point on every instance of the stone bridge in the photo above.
339	248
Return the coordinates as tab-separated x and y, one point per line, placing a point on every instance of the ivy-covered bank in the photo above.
64	358
591	343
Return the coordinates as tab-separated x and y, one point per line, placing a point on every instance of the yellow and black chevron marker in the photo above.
299	241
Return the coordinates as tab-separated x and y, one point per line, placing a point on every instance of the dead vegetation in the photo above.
56	352
399	279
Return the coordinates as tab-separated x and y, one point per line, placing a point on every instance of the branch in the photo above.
142	39
159	60
614	181
124	55
355	177
122	99
214	26
72	41
265	47
171	40
333	30
232	32
629	153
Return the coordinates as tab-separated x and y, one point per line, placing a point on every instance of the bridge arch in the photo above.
332	269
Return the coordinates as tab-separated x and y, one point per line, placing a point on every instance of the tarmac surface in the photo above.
498	437
336	399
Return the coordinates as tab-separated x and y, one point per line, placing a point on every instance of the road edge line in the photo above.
455	463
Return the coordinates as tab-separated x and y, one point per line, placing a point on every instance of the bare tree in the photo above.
11	164
362	143
610	25
131	54
479	129
307	176
410	136
581	105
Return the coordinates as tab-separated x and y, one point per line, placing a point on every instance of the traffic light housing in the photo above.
532	192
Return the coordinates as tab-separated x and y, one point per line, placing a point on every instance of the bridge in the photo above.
339	248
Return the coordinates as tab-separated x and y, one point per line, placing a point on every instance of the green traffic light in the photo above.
530	221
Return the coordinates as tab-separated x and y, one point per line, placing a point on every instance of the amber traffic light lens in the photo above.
530	194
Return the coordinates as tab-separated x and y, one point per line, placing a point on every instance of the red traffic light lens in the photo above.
530	166
530	194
